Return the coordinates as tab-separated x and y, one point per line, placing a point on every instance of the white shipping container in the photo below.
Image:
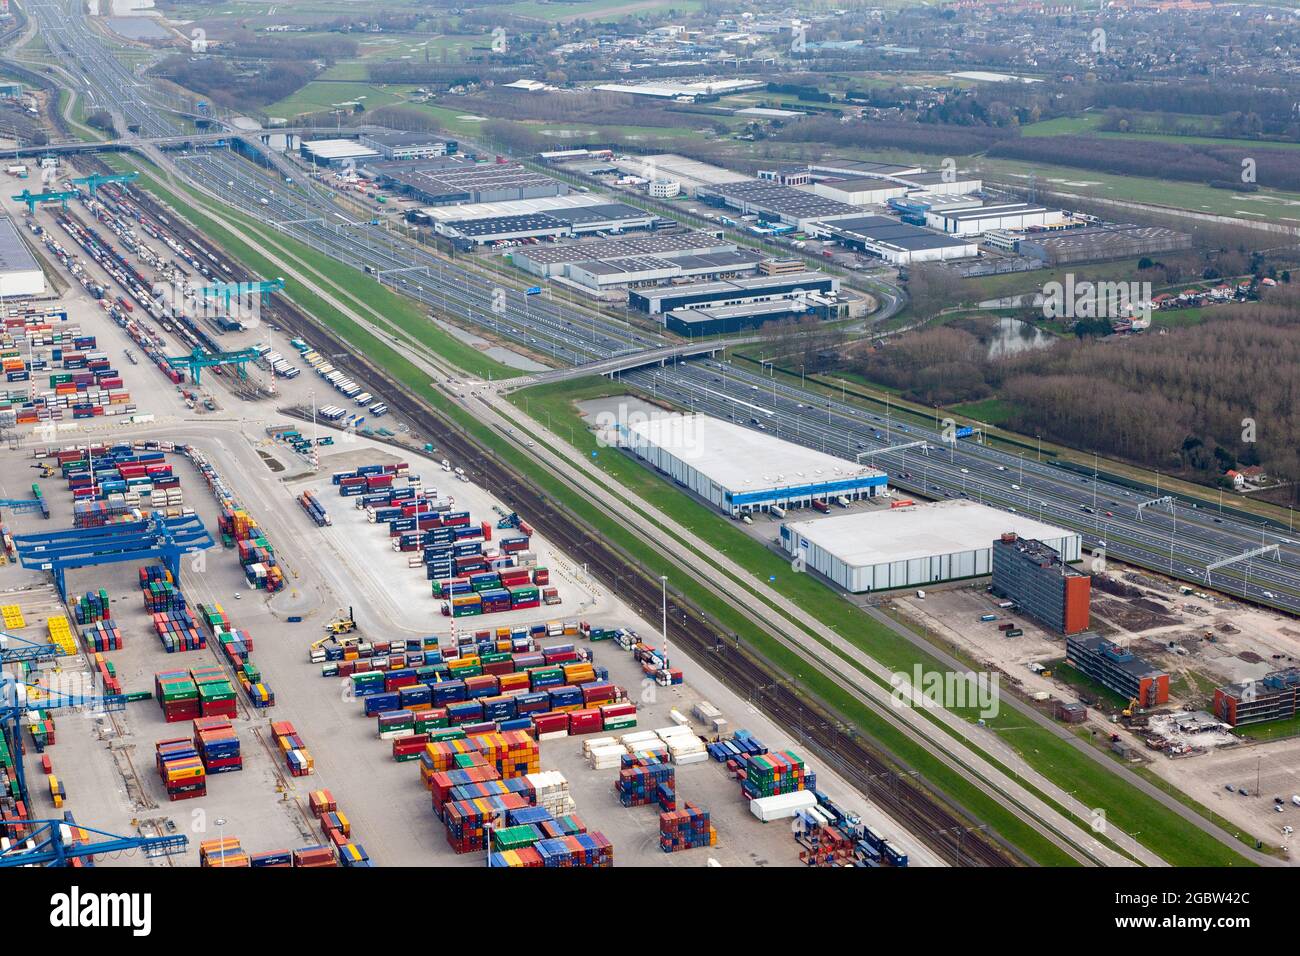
782	806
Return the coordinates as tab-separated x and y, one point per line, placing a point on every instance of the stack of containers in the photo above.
314	856
178	695
162	596
296	756
777	772
686	829
216	694
91	607
102	636
513	753
639	781
180	769
272	859
550	791
467	820
225	852
321	801
61	634
683	744
178	632
217	745
579	850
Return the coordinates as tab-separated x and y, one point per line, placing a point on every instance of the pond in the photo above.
1010	336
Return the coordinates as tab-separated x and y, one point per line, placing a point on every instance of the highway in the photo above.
1173	538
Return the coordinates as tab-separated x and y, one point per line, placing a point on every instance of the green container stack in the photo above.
515	838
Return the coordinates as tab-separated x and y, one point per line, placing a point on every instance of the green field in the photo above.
1270	729
321	95
991	411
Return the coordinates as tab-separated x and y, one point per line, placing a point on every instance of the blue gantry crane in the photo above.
32	198
15	700
153	538
95	180
198	360
19	650
52	845
227	290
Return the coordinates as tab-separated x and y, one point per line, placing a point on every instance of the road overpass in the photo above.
630	360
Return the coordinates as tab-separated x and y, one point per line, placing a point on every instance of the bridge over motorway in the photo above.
630	360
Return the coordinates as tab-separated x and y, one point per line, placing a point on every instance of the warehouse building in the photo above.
1045	587
336	152
898	243
598	274
871	191
1118	669
653	301
1274	696
940	184
441	182
705	320
691	174
973	222
739	470
1102	241
20	274
913	546
549	261
557	223
404	146
850	170
773	202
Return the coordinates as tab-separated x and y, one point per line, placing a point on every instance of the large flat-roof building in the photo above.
1012	215
336	152
898	243
401	145
773	202
704	320
555	222
740	470
20	274
653	301
605	273
913	546
552	260
1118	669
1045	587
446	180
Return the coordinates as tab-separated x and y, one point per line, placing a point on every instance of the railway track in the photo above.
856	758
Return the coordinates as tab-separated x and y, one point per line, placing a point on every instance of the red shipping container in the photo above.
617	710
550	722
584	721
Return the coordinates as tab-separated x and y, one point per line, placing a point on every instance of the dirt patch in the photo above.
273	463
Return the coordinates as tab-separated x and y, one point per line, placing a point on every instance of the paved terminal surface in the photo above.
107	765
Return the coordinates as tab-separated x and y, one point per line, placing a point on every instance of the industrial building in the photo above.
734	292
1045	587
898	243
773	202
973	222
941	184
448	180
547	261
849	170
336	152
706	320
20	275
402	146
691	174
1102	241
869	191
598	274
740	470
1274	696
553	224
913	546
1118	669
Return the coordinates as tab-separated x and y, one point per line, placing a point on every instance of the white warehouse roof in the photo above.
742	459
511	207
867	538
338	149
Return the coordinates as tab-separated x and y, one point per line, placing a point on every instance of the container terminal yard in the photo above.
266	621
283	585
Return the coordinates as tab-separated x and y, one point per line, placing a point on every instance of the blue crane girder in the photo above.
198	360
95	180
20	505
225	290
52	849
156	537
32	198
